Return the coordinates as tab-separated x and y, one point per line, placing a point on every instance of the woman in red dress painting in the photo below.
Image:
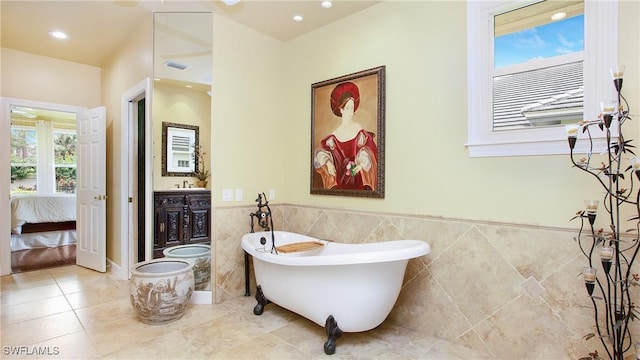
347	158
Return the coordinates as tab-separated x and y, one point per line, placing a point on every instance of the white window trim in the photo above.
601	53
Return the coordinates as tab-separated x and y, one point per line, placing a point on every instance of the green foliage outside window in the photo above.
23	146
24	157
66	180
64	148
22	172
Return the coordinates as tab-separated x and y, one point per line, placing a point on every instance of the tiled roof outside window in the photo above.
544	96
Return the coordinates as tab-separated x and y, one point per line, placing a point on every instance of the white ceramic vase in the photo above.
161	289
200	255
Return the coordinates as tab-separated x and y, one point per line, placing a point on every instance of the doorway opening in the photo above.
139	181
90	188
136	171
43	168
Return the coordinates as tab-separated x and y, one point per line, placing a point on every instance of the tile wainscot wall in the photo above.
505	290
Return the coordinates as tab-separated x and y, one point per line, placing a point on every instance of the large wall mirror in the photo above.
181	113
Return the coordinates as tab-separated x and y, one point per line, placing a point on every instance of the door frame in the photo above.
143	89
5	163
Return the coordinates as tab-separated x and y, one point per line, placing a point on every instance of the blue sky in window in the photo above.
553	39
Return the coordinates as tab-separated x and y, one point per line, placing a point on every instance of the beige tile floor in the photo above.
74	313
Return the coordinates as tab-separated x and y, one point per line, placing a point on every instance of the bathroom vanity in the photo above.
182	217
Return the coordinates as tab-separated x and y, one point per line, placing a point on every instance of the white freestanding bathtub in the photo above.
343	287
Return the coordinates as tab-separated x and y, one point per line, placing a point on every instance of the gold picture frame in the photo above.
347	135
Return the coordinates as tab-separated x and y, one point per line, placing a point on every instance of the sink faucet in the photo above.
184	183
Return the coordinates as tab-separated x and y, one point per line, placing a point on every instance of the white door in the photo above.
91	250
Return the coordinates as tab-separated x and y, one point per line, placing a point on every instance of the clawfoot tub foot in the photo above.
333	333
262	301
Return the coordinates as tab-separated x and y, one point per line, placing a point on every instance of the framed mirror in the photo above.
179	142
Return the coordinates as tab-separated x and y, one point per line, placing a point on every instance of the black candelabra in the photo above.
617	246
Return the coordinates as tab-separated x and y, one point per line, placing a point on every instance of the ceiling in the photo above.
96	28
536	14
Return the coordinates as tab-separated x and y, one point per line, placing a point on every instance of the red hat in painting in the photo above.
341	94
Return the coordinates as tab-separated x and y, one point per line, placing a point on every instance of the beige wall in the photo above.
41	78
44	80
182	106
249	113
128	67
428	170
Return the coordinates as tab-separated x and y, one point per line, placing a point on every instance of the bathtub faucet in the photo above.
262	216
265	221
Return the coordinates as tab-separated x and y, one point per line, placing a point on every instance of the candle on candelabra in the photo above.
606	253
606	258
572	134
607	107
572	130
617	74
589	274
607	112
591	205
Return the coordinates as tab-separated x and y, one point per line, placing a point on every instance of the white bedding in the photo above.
42	239
39	209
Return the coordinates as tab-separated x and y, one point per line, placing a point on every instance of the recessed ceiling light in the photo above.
297	18
188	86
326	4
558	16
58	34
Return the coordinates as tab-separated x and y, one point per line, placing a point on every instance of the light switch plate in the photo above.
227	194
272	194
238	194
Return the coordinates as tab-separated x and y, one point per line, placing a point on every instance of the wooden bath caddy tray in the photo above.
299	246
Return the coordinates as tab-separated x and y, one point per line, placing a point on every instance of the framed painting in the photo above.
179	142
347	135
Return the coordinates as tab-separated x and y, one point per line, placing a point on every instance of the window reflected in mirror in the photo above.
179	142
